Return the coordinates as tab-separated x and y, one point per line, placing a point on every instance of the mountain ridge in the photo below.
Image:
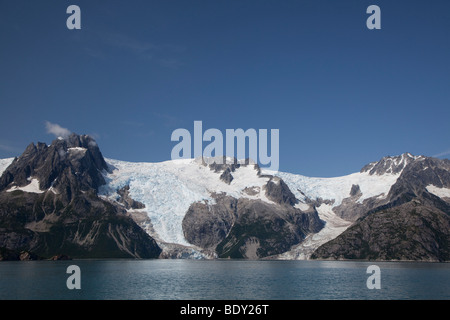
49	205
195	208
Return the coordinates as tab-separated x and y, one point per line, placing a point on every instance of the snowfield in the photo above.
333	189
167	189
440	192
334	226
4	163
338	188
32	187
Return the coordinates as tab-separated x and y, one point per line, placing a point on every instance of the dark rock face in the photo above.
67	217
263	230
226	176
412	231
245	228
417	176
88	227
278	191
410	223
69	166
227	167
388	164
127	201
355	190
206	225
13	255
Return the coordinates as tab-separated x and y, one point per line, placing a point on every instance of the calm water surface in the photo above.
222	280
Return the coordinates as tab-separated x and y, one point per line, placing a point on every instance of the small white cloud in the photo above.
445	153
57	130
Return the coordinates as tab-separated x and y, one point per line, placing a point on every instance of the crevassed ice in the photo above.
165	196
167	189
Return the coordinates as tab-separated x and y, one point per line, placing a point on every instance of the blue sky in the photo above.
341	95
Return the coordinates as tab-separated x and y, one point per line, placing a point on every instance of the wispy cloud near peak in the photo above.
57	130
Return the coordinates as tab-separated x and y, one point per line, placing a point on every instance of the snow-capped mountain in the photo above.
49	205
195	208
168	189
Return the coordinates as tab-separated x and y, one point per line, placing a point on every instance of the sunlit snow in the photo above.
33	187
4	163
167	189
440	192
338	188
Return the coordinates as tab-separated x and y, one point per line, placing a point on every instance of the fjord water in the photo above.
222	280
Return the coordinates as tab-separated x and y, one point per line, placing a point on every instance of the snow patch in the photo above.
32	187
440	192
302	206
334	226
4	163
338	188
76	149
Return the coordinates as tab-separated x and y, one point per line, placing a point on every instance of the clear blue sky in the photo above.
340	94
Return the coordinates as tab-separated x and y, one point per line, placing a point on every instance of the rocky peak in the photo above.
418	175
67	166
278	191
227	165
391	165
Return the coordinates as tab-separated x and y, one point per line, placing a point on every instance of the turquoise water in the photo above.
222	280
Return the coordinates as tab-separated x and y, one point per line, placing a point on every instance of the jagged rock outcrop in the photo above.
226	176
68	166
126	200
50	206
206	225
264	229
409	223
66	216
278	191
245	228
415	230
415	174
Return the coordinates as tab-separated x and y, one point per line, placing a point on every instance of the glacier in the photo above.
167	189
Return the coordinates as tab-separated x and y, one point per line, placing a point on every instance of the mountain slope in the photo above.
415	230
412	223
49	205
198	206
66	198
